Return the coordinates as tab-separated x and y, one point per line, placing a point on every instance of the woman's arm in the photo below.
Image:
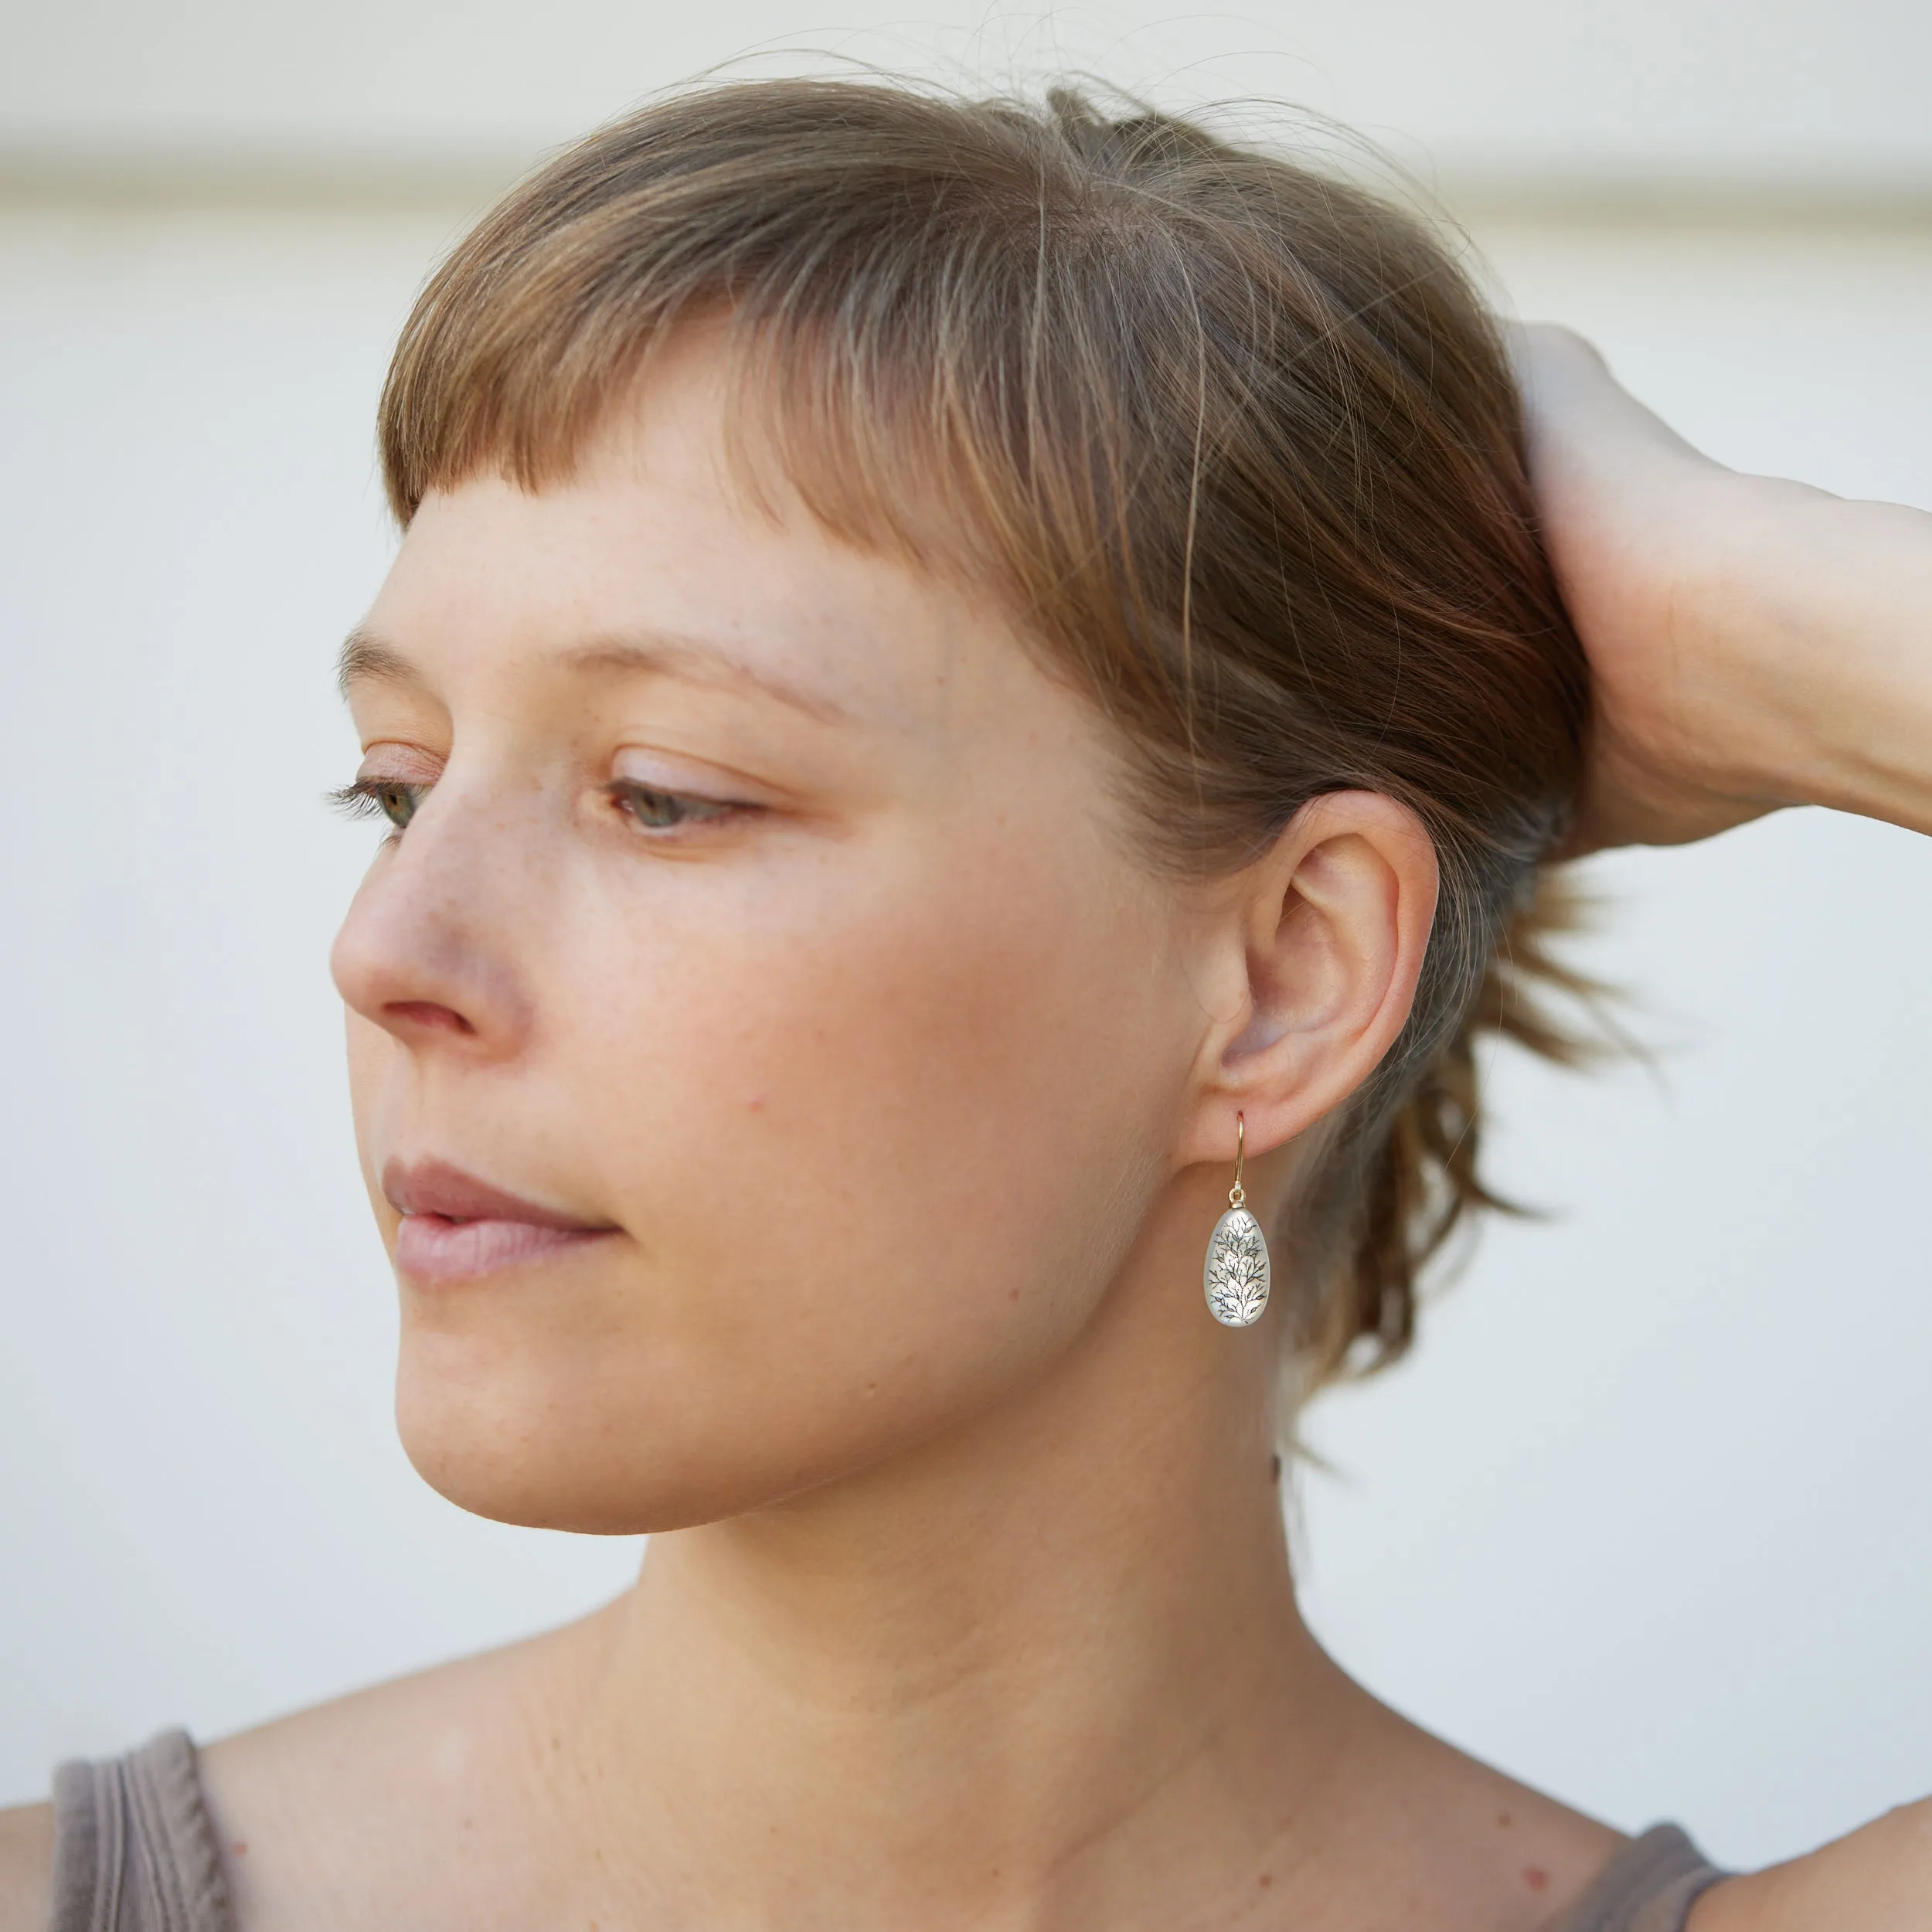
1752	643
26	1868
1878	1879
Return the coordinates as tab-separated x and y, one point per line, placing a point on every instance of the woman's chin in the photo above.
579	1428
537	1478
513	1455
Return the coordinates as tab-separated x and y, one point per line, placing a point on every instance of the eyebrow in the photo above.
366	658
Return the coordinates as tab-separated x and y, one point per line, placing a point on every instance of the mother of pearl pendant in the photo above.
1237	1275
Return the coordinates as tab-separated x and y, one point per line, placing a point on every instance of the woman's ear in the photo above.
1320	944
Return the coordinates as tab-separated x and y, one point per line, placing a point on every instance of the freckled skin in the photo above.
1010	1641
907	1092
877	956
764	903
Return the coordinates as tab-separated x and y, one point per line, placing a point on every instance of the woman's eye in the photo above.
390	798
655	811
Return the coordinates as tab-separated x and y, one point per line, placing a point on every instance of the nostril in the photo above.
427	1012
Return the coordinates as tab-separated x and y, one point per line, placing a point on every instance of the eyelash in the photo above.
381	798
367	798
625	794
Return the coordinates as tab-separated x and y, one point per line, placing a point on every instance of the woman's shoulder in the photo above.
286	1810
373	1805
26	1867
1879	1878
379	1793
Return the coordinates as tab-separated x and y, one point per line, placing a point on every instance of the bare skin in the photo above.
1752	643
967	1602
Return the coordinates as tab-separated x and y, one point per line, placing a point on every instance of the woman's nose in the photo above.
430	949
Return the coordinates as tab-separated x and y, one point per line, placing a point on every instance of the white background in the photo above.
1645	1521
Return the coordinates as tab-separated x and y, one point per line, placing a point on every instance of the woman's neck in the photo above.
1032	1671
1045	1671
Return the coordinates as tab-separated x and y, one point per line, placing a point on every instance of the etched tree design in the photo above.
1238	1273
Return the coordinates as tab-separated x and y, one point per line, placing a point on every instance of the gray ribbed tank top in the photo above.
134	1847
134	1851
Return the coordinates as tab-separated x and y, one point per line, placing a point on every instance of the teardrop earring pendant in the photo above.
1237	1275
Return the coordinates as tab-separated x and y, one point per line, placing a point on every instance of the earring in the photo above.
1236	1275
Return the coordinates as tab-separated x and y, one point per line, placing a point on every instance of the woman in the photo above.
970	714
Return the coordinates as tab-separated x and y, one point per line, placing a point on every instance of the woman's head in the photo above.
957	646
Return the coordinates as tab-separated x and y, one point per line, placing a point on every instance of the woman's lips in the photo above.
455	1227
432	1248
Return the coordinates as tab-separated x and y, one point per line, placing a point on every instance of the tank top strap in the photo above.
1650	1886
135	1848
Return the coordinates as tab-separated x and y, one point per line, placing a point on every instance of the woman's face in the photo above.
763	922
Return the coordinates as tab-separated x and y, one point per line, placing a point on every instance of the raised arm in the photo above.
1752	643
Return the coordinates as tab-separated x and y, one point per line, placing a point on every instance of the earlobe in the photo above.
1334	921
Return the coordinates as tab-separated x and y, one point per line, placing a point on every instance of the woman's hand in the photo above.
1752	643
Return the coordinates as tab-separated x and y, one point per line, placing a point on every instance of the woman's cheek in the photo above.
848	1127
